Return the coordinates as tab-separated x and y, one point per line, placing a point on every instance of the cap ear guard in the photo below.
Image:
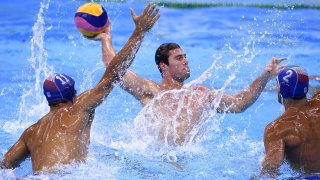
69	92
66	84
285	90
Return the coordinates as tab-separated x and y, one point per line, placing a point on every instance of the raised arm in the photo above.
317	78
108	52
139	87
16	154
240	102
121	61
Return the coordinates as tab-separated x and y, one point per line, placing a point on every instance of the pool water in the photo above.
227	48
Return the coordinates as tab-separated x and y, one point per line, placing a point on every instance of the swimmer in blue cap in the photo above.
293	82
63	135
294	135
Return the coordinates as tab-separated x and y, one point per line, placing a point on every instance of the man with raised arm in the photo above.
295	135
176	110
62	136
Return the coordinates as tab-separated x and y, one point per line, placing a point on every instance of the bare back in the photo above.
57	138
299	131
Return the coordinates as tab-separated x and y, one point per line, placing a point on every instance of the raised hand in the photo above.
273	67
147	19
106	33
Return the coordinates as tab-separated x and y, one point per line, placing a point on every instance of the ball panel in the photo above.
83	24
89	34
91	8
97	21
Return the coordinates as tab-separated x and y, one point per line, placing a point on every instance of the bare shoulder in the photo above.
29	131
286	126
282	122
82	102
316	96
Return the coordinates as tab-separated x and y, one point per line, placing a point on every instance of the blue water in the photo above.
38	38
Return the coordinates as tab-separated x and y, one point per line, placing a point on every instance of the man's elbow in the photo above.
239	105
233	108
268	171
4	166
239	109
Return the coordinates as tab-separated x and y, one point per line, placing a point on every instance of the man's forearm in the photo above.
108	51
250	94
125	57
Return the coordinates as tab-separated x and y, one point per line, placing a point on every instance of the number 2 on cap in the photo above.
289	74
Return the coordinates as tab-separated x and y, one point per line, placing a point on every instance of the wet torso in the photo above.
58	138
177	113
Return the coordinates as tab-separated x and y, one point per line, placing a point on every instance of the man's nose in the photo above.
185	61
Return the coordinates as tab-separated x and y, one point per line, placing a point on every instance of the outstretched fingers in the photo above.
152	12
278	60
154	17
273	67
147	8
281	67
155	13
149	16
151	8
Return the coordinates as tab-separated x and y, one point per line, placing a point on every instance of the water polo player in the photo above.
294	135
62	136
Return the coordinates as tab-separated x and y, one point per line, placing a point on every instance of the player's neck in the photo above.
294	103
58	106
169	83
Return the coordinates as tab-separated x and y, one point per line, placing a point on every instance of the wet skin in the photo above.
63	135
294	136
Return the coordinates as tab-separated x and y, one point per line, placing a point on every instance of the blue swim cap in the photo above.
293	82
59	87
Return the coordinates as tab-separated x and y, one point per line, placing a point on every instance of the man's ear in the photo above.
163	66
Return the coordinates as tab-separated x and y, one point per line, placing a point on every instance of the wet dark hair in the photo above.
162	53
56	103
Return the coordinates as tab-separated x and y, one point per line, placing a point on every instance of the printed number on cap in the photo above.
64	80
289	74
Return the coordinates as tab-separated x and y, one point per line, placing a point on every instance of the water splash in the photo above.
32	104
41	70
143	134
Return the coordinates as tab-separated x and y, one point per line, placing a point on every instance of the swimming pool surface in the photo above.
225	46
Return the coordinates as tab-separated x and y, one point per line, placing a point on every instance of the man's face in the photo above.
178	67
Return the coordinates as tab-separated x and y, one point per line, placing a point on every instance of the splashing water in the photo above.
233	150
142	136
33	104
